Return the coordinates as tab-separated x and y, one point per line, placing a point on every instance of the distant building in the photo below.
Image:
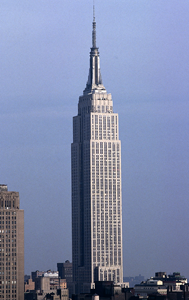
182	294
26	278
11	245
161	284
29	285
150	287
48	286
175	280
65	272
107	290
134	280
36	274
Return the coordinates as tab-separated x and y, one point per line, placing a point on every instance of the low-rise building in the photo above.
29	285
175	280
107	290
150	287
160	284
48	286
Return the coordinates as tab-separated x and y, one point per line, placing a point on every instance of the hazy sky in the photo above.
144	51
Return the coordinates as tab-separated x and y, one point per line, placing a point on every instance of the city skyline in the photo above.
144	62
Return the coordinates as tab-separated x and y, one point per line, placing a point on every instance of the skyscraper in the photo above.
96	184
11	246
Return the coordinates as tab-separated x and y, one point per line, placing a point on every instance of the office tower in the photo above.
11	246
65	272
96	184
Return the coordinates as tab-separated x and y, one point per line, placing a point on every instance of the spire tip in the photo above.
94	27
93	11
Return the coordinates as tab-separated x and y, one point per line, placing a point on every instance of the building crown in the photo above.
94	83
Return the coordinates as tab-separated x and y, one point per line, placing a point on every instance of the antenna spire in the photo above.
94	27
94	83
93	11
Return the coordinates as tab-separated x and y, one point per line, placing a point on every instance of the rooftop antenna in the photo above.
93	10
94	27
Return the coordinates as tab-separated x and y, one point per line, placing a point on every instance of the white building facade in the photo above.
96	185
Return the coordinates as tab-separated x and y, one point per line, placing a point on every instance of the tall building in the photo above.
96	184
11	246
65	272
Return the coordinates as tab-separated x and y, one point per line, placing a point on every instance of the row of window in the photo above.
7	222
94	108
7	213
7	217
7	227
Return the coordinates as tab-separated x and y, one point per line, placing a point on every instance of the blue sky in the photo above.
44	62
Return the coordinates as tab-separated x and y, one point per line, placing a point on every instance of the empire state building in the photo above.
96	184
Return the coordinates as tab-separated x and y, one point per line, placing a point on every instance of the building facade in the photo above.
47	285
11	246
150	287
65	271
96	184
